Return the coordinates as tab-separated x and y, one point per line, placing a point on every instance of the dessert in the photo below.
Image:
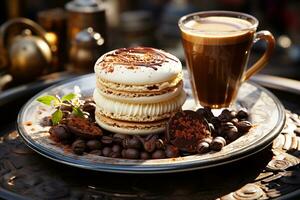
203	133
137	90
82	128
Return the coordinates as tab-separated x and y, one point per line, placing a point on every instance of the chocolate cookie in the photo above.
83	128
186	129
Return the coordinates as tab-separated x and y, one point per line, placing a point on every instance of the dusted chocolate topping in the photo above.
186	129
83	128
134	57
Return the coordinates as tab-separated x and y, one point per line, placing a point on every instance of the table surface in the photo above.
273	172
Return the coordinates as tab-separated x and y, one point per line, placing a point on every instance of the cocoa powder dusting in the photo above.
133	58
186	129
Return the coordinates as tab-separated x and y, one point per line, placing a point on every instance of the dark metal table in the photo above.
271	173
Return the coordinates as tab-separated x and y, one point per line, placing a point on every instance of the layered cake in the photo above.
138	89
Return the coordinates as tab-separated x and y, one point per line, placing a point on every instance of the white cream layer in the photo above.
136	111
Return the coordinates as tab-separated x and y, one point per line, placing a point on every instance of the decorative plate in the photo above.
266	113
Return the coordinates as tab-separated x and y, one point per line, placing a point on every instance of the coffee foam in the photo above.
217	30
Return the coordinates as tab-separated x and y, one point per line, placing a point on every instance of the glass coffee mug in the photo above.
217	45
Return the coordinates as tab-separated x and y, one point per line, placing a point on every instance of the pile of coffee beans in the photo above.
115	145
201	131
226	127
188	133
126	146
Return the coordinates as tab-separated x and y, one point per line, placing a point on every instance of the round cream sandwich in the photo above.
138	89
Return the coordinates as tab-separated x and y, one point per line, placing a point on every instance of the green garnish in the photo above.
48	100
56	116
71	99
77	111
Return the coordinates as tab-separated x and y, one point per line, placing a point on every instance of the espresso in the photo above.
217	50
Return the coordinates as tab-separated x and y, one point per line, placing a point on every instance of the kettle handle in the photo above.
25	23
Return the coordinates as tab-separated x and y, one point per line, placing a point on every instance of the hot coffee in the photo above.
217	49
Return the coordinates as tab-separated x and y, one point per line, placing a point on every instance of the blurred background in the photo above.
42	40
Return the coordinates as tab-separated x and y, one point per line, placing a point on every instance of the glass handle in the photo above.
269	38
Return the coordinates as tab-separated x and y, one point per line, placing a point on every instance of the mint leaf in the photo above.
69	97
48	99
56	117
77	112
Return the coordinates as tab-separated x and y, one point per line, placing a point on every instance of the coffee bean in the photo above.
60	133
242	114
202	112
231	129
78	147
206	113
90	108
211	128
158	154
93	144
207	140
133	142
225	116
171	151
215	121
225	111
203	147
233	114
145	155
225	127
106	151
232	134
106	139
159	144
97	152
244	126
149	145
209	113
131	154
234	121
218	143
216	125
116	148
118	138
